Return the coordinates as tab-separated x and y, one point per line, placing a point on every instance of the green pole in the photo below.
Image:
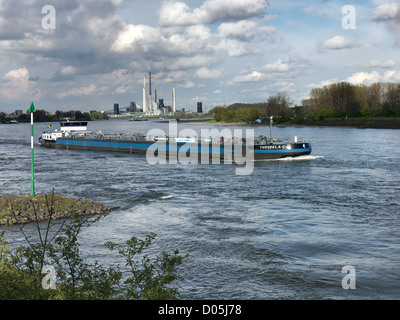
32	110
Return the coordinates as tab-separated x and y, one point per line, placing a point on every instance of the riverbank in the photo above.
64	207
383	123
389	123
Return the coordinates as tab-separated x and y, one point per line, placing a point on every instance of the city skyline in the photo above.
91	54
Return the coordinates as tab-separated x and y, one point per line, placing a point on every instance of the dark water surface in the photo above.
284	232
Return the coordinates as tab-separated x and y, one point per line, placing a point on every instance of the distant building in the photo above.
132	108
199	107
161	104
116	108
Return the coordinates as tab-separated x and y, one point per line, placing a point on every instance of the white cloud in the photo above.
338	42
244	30
278	66
136	38
364	78
254	76
178	13
323	83
374	76
391	76
389	15
187	85
378	64
17	85
83	91
236	48
68	70
387	11
204	73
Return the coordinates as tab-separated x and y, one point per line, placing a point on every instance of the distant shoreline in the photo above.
339	123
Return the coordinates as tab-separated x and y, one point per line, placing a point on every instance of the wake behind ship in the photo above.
74	135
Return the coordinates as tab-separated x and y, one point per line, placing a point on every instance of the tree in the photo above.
392	98
345	99
247	114
219	113
21	269
278	106
375	97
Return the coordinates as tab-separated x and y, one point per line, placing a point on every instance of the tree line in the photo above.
345	99
337	100
46	116
278	106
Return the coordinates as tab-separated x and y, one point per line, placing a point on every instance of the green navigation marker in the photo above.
32	110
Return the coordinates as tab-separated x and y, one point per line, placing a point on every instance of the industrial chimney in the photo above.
150	99
173	100
144	94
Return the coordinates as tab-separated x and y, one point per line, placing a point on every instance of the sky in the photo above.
88	55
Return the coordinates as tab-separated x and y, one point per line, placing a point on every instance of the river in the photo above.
283	232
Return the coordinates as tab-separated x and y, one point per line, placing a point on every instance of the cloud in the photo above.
387	12
136	38
204	73
83	91
178	13
337	43
391	76
373	77
17	84
68	70
236	48
244	30
253	76
390	63
278	66
364	78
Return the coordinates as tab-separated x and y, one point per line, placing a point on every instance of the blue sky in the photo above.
214	51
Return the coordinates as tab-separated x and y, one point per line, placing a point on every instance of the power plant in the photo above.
158	105
149	106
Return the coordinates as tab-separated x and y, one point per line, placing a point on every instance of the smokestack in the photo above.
173	100
155	100
150	100
144	94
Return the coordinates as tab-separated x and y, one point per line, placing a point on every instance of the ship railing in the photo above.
216	140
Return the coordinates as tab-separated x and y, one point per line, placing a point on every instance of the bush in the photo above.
366	112
21	277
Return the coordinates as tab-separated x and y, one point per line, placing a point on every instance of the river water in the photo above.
283	232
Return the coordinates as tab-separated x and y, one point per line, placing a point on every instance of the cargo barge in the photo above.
74	135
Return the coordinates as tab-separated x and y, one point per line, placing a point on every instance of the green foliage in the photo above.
366	112
150	276
345	99
247	114
99	116
236	115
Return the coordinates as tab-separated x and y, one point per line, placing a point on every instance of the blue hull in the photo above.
273	151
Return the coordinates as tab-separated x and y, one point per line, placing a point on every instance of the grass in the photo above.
16	209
